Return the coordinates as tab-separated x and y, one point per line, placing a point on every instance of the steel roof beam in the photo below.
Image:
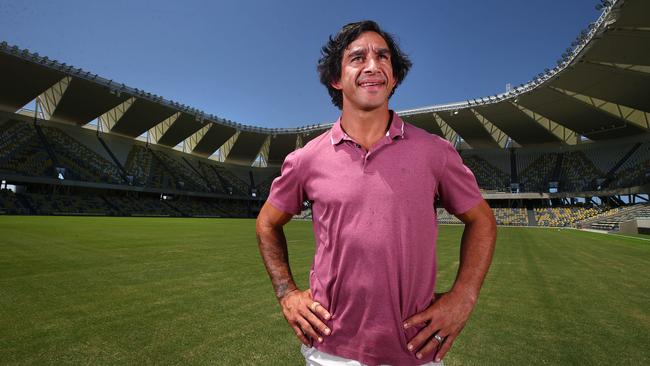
224	150
263	155
627	114
110	118
500	137
565	134
192	140
157	131
50	98
448	132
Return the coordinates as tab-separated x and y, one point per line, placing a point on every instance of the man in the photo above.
373	181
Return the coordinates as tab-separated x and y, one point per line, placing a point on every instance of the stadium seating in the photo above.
536	176
563	216
636	170
10	203
609	220
80	162
181	172
138	164
578	173
511	216
63	204
22	152
28	150
445	217
488	176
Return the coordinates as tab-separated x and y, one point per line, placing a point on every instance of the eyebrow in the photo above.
363	51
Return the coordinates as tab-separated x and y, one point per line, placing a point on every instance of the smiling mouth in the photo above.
371	83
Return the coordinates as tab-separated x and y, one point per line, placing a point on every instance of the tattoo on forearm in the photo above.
273	248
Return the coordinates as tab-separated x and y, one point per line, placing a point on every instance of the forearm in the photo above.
476	250
273	248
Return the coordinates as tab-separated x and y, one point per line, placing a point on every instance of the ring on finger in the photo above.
438	338
313	306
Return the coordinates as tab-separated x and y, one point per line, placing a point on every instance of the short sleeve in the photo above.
287	193
457	189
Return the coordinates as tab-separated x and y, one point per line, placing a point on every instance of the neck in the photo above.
365	127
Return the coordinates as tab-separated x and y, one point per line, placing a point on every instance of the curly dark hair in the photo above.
329	65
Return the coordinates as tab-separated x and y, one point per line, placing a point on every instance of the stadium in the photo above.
127	218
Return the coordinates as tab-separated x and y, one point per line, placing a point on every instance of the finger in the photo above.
417	319
419	339
429	347
321	311
446	345
309	330
317	323
300	335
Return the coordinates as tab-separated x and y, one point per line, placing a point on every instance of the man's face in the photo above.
366	73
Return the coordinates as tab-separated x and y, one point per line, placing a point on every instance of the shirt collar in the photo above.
395	130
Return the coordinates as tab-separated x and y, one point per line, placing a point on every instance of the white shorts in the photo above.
314	357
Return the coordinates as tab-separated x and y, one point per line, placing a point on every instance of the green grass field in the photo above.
149	291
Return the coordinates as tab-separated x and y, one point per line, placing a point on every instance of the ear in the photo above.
336	85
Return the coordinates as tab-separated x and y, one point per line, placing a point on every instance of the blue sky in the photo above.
254	62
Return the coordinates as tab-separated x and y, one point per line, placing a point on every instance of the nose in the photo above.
372	65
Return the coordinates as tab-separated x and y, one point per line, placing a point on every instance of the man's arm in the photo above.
298	307
448	313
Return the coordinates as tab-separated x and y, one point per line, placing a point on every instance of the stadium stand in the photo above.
138	165
578	173
10	204
536	176
445	217
21	151
563	216
571	151
511	216
488	176
80	162
636	170
609	220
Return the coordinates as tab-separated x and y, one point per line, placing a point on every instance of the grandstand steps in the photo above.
48	148
205	180
611	173
223	181
555	177
532	220
165	167
610	220
123	172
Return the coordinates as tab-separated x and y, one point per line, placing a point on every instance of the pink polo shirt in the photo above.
375	229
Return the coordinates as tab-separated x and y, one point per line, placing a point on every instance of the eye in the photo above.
356	58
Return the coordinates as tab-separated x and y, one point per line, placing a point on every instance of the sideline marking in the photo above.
630	237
